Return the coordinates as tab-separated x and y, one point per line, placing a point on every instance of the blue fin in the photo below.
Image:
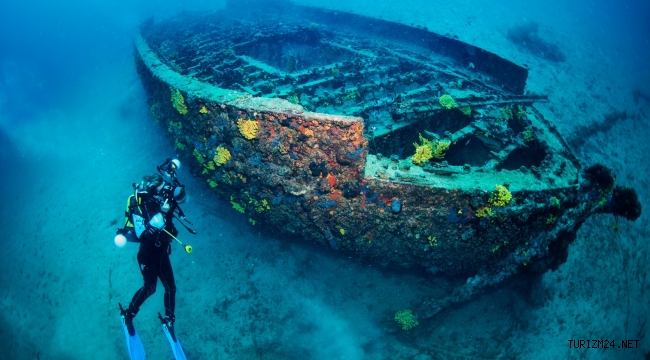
178	350
133	343
173	341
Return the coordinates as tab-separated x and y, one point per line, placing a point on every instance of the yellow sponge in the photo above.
447	102
501	197
248	128
223	155
178	101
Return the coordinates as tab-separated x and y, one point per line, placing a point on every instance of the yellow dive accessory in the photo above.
188	248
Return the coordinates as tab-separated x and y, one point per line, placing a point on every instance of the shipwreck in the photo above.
377	138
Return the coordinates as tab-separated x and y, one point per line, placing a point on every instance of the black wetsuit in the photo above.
153	259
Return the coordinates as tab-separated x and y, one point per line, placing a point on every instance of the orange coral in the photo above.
336	196
306	131
331	179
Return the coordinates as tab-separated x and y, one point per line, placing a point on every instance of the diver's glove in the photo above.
165	207
151	231
156	225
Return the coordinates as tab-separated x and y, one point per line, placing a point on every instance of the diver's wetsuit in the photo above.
153	259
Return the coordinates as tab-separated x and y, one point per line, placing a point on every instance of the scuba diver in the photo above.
149	214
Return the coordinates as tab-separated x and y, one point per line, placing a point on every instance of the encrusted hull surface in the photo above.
504	194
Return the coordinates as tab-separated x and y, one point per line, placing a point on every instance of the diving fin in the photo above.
133	343
168	329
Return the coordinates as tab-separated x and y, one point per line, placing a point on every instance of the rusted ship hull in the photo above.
506	195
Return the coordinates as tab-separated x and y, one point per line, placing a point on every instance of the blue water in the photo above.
75	132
